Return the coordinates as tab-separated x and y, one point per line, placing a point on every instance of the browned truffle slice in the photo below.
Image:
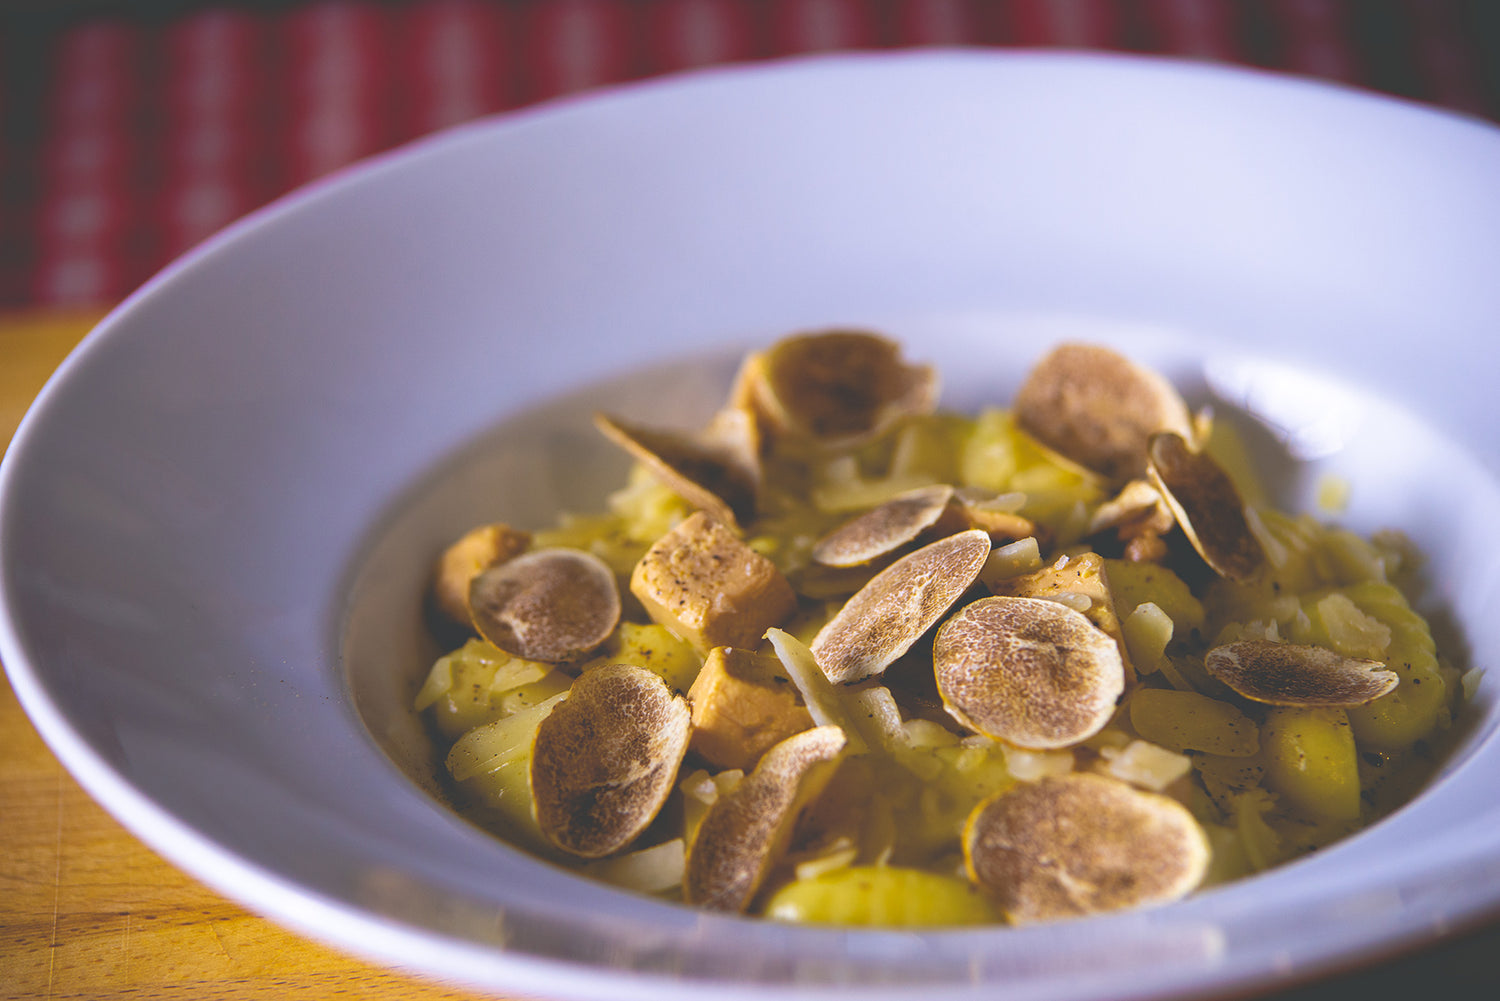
883	529
1288	674
552	605
604	760
709	477
1098	408
476	551
836	387
1081	583
745	832
1207	506
890	613
1028	671
1082	844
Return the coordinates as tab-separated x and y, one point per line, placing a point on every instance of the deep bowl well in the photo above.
217	520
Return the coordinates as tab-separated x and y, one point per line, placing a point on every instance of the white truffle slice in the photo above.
1082	844
883	529
890	613
711	476
1081	583
552	605
836	387
476	551
604	760
745	832
1098	408
1028	671
1289	674
1206	505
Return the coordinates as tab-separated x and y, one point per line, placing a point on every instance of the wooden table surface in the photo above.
87	911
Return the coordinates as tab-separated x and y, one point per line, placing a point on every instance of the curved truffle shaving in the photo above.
476	551
837	387
718	472
890	613
1206	505
745	833
883	529
1082	844
1067	581
604	760
1028	671
1286	674
552	605
1098	408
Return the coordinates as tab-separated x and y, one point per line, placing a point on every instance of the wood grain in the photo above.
88	912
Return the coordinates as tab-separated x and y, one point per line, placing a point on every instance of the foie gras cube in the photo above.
743	705
700	581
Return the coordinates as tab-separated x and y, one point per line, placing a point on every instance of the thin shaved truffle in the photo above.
1288	674
1067	580
552	605
837	387
712	476
1028	671
890	613
604	760
746	832
1098	408
1207	506
1082	844
883	529
476	551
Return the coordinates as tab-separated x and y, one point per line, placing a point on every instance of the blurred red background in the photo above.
130	131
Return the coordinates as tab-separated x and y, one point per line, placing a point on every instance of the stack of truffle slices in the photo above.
1026	654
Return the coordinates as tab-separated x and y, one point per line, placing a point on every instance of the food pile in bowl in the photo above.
840	657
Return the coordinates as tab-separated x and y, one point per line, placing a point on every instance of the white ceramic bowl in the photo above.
217	520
